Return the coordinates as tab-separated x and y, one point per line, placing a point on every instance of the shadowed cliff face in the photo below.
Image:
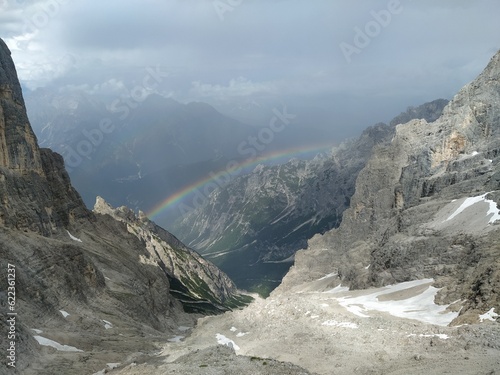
18	147
92	281
35	191
399	225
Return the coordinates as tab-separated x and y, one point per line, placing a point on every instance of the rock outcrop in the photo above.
197	283
426	205
35	192
90	289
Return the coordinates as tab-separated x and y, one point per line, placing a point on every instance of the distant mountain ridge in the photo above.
253	226
134	153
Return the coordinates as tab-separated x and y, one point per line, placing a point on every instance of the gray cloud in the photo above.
256	49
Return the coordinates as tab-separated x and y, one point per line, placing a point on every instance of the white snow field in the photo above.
418	305
223	340
490	315
468	202
47	342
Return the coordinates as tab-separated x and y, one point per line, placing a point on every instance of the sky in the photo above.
346	64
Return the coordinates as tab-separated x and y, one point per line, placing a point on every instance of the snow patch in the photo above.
419	307
63	348
338	289
233	329
183	328
490	315
64	313
355	309
368	266
241	334
334	323
493	210
333	274
176	339
223	340
441	336
73	237
107	325
37	330
467	203
113	365
474	153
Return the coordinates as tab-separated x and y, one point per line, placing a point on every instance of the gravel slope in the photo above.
314	331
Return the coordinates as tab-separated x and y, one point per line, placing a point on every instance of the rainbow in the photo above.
233	171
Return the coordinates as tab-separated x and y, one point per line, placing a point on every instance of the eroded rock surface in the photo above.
399	225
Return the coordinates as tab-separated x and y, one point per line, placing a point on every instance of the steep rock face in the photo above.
268	215
80	278
193	279
401	223
18	146
35	191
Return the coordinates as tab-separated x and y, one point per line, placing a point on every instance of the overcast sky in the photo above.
364	57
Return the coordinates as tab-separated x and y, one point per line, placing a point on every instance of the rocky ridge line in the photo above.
397	227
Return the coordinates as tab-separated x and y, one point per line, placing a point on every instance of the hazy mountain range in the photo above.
139	153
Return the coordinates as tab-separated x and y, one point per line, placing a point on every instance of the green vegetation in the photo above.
249	274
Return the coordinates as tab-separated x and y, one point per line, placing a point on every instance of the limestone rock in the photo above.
399	227
193	278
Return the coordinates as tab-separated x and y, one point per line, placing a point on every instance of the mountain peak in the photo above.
30	178
9	83
18	145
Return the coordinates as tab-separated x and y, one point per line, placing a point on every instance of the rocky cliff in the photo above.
89	288
196	283
425	206
257	221
34	187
